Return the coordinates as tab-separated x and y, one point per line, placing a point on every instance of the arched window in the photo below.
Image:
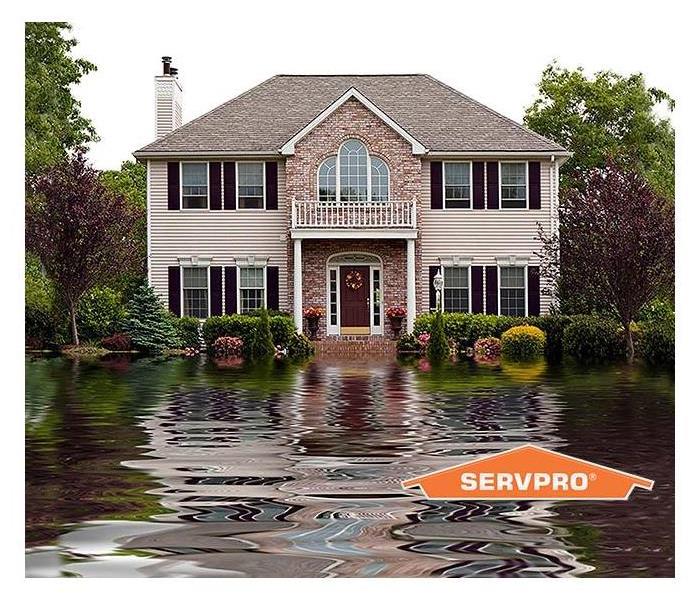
353	176
353	171
380	180
326	180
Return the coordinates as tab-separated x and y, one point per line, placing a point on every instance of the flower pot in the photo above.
312	325
396	326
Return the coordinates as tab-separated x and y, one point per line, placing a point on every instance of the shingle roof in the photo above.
265	117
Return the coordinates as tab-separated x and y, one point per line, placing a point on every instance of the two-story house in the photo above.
349	192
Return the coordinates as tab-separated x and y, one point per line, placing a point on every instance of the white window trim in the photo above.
238	284
182	288
469	281
500	185
182	184
519	266
264	185
471	185
337	173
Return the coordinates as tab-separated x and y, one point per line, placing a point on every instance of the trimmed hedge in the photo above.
590	339
188	331
657	343
247	327
523	342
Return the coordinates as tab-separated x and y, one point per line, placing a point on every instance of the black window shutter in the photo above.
436	185
478	184
534	184
229	186
215	293
477	290
271	186
174	290
231	283
533	291
492	190
491	290
214	186
273	288
432	271
173	186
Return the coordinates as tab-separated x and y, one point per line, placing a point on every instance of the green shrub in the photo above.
438	346
282	328
41	322
188	331
263	344
408	343
523	342
553	327
149	324
299	346
101	313
657	343
657	311
590	339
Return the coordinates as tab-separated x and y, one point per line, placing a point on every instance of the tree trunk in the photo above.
629	342
73	325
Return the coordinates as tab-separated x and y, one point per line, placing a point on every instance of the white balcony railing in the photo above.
353	215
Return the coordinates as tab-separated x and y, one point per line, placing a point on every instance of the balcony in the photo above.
395	215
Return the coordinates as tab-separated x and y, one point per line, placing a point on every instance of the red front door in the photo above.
354	300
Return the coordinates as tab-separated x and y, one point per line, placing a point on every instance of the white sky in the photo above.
493	52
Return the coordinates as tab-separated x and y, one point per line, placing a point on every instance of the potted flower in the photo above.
313	314
396	315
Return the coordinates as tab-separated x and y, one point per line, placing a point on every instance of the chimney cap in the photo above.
167	59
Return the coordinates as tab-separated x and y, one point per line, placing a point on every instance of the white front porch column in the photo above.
298	315
410	284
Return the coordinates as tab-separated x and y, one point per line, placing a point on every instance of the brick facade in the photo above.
353	120
315	255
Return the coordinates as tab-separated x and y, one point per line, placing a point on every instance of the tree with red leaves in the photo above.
83	234
615	247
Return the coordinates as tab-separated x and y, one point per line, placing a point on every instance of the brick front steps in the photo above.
354	345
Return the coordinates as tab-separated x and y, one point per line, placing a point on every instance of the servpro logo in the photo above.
528	473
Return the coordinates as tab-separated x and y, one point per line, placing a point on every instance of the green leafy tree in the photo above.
438	347
149	324
606	116
54	125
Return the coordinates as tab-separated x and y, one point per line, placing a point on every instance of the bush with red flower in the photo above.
226	346
396	312
314	312
488	348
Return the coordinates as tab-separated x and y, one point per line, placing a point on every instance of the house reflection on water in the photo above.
307	481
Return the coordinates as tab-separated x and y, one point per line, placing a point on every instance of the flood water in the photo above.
180	467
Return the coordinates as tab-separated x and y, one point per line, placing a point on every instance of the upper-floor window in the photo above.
353	175
512	292
195	292
195	185
457	182
251	184
513	185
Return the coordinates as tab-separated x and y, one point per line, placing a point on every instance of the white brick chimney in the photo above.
168	100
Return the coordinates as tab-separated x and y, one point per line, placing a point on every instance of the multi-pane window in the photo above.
513	291
195	185
326	180
353	176
251	185
456	289
513	185
353	171
195	292
252	289
458	184
333	298
380	180
376	299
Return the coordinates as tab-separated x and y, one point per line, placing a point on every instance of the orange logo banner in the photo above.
528	473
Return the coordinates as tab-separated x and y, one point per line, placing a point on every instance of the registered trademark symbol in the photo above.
592	476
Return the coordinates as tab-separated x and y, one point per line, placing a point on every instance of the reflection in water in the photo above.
181	468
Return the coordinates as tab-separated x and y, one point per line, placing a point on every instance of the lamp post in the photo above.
438	283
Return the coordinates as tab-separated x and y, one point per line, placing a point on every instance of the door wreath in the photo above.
354	280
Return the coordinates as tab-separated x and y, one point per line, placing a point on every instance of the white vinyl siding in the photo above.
483	234
222	235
